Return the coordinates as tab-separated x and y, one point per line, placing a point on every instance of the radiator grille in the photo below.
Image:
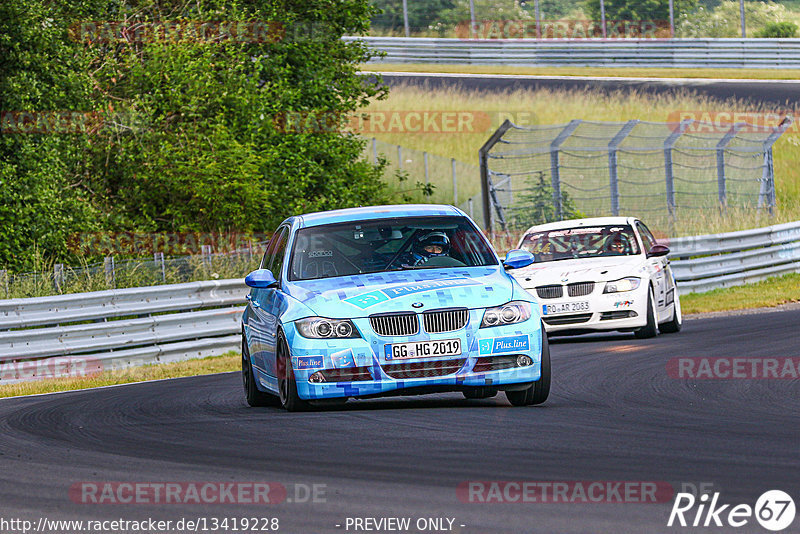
580	289
567	319
399	324
550	292
436	322
425	369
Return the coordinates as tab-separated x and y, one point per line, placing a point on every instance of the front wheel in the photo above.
253	395
287	385
674	324
538	392
651	328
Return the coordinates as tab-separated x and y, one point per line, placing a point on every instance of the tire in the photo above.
651	328
538	392
673	325
287	386
253	395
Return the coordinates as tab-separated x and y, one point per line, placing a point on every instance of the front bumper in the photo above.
360	367
626	310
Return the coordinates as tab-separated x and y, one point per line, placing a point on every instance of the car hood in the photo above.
579	270
367	294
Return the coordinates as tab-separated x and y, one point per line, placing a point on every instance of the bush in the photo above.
777	30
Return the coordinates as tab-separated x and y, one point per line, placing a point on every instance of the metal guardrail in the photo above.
83	332
115	329
679	53
702	263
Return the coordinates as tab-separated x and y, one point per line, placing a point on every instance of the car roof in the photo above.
576	223
375	212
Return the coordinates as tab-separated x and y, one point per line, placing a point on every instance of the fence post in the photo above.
722	192
399	157
486	181
425	160
613	147
159	259
767	191
471	212
669	144
4	278
374	150
555	177
58	276
205	250
108	268
455	182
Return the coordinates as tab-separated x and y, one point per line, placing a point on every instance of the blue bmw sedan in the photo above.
389	300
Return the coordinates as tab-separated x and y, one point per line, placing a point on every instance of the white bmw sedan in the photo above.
605	273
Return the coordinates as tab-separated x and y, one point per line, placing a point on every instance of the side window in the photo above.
277	251
647	238
268	251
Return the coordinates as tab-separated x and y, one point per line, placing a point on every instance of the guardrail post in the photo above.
58	276
108	268
613	147
669	144
555	177
721	146
486	179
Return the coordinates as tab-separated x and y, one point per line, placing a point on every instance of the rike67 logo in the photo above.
774	510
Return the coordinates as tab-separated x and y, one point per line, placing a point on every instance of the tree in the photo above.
535	205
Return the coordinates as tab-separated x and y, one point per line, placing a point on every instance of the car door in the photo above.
657	267
263	319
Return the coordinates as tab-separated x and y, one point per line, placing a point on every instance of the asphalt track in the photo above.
614	415
780	94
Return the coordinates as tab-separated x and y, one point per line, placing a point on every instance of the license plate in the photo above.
423	349
565	307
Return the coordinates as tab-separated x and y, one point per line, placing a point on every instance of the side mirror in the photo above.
658	250
516	259
261	279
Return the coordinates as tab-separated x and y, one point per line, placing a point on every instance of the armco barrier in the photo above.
639	53
706	262
127	327
120	328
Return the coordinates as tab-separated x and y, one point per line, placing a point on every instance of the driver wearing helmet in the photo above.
430	245
618	244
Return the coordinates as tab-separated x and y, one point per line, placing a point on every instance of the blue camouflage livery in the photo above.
365	362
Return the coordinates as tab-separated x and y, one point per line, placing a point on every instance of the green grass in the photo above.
203	366
739	74
767	293
525	107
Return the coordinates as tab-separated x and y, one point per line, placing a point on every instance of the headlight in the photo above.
513	312
624	284
322	328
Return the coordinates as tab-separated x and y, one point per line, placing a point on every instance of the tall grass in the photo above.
525	107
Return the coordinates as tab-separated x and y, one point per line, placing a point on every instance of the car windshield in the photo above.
585	242
388	245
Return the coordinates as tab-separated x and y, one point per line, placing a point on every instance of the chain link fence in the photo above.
454	182
656	170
